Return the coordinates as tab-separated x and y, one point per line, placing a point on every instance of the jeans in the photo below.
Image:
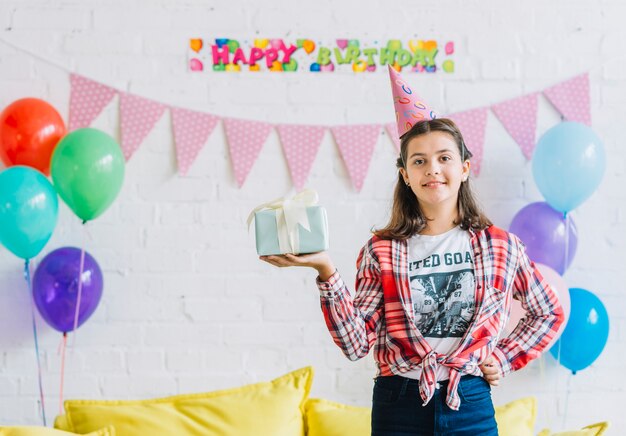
397	409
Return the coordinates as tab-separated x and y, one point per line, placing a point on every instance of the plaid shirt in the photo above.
380	314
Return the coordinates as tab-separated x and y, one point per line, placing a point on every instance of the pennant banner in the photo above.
138	117
300	144
472	124
571	99
392	131
519	118
87	99
245	140
191	131
356	145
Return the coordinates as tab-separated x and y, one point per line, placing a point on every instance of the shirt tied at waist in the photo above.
428	378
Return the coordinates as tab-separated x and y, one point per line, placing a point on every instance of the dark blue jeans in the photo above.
397	409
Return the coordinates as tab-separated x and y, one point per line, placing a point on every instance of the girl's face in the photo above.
434	169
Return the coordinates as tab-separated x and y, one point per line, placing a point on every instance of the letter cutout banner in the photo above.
341	55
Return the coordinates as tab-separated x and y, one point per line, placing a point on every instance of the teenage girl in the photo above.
433	296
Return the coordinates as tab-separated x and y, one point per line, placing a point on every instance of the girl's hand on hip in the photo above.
490	371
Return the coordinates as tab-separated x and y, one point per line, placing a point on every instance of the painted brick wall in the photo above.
187	305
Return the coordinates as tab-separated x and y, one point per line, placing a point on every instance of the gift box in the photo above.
294	225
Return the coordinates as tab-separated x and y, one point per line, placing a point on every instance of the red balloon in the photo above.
29	130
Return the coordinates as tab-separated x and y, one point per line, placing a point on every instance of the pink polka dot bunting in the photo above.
472	124
87	99
519	118
356	145
392	132
300	144
191	131
245	140
571	98
138	117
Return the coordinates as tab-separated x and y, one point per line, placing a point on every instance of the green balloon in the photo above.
87	169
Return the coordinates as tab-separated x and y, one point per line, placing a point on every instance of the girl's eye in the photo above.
419	161
446	158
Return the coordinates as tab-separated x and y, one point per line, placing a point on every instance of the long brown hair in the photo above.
407	217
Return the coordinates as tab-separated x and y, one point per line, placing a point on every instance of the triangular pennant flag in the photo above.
300	144
245	140
392	131
356	145
138	117
472	124
191	130
571	99
87	99
519	117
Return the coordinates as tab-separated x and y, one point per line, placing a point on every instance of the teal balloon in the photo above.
28	211
585	334
568	164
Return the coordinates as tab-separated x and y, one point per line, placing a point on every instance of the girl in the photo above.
433	295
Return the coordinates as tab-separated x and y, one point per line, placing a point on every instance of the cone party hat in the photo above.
410	108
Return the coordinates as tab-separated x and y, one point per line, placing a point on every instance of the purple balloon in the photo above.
55	288
542	229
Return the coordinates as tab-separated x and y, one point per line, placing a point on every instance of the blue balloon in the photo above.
28	210
568	165
585	334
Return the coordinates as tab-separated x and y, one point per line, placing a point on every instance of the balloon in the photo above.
586	332
28	211
568	164
55	288
29	130
559	286
542	230
88	171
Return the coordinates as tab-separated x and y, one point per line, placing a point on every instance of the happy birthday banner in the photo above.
301	143
341	55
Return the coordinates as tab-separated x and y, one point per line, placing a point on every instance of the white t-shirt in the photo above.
441	273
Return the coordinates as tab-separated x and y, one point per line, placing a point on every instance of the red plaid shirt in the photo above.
380	314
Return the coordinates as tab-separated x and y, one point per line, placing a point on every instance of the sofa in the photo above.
281	407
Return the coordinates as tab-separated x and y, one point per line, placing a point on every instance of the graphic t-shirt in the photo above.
441	273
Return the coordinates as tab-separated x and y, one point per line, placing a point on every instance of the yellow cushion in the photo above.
517	418
590	430
327	418
60	423
44	431
269	408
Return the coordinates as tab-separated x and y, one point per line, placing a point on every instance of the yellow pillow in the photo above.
44	431
326	418
269	408
590	430
517	418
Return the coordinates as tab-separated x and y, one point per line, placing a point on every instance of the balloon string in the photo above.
567	392
63	347
32	309
566	257
80	290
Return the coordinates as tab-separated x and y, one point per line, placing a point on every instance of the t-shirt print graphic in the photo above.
443	303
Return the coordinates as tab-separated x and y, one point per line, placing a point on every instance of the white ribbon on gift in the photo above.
290	211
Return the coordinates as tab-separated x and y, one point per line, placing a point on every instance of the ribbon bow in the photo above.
290	211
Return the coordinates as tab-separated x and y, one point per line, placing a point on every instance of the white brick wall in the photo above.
187	305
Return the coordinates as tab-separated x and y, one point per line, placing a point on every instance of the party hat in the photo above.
410	108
